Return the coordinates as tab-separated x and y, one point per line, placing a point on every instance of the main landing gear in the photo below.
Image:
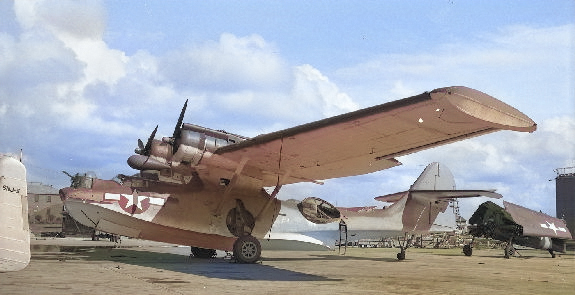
247	249
241	222
508	251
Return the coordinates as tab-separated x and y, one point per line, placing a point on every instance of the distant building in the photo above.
565	196
46	212
44	208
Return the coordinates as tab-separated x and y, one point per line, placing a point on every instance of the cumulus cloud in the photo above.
511	64
64	86
229	64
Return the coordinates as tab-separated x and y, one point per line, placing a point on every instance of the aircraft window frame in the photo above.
220	142
193	138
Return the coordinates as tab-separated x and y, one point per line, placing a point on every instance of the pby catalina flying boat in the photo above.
412	212
518	225
205	188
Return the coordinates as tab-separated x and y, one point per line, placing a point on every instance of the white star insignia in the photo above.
552	227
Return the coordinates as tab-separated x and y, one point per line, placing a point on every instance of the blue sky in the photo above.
80	82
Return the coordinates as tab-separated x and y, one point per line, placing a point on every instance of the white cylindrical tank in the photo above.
14	227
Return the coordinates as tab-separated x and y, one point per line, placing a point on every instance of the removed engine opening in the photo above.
318	211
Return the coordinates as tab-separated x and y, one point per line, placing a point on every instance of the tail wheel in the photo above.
467	250
247	249
401	256
509	251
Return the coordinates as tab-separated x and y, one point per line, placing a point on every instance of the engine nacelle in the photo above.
318	211
141	162
188	154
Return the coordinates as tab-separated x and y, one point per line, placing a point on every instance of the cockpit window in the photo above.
191	138
221	142
213	142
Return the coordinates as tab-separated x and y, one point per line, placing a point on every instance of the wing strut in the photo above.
279	182
231	183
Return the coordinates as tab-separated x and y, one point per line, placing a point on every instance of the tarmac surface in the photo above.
77	266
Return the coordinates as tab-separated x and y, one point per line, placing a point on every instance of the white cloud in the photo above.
313	91
513	64
231	64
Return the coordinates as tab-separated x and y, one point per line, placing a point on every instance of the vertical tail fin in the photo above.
428	199
436	176
429	196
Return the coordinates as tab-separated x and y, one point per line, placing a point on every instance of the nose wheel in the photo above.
247	249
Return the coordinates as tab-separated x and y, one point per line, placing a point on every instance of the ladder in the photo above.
342	236
458	218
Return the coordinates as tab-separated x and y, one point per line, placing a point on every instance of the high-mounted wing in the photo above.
367	140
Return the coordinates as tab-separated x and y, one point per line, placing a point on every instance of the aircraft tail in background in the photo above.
429	196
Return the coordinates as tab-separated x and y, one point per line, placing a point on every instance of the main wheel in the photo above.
247	249
467	250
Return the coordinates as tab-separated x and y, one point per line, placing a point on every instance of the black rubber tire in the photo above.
247	249
203	253
401	256
467	250
509	251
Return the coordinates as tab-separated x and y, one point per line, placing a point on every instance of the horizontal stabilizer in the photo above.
452	194
434	183
391	198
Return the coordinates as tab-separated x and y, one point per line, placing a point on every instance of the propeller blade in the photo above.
148	147
177	130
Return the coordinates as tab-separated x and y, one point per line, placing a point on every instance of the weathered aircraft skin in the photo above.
205	187
518	225
14	227
136	209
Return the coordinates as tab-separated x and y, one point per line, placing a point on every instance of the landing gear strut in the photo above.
551	252
247	249
403	246
509	250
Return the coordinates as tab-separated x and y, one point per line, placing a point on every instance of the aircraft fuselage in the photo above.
195	213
